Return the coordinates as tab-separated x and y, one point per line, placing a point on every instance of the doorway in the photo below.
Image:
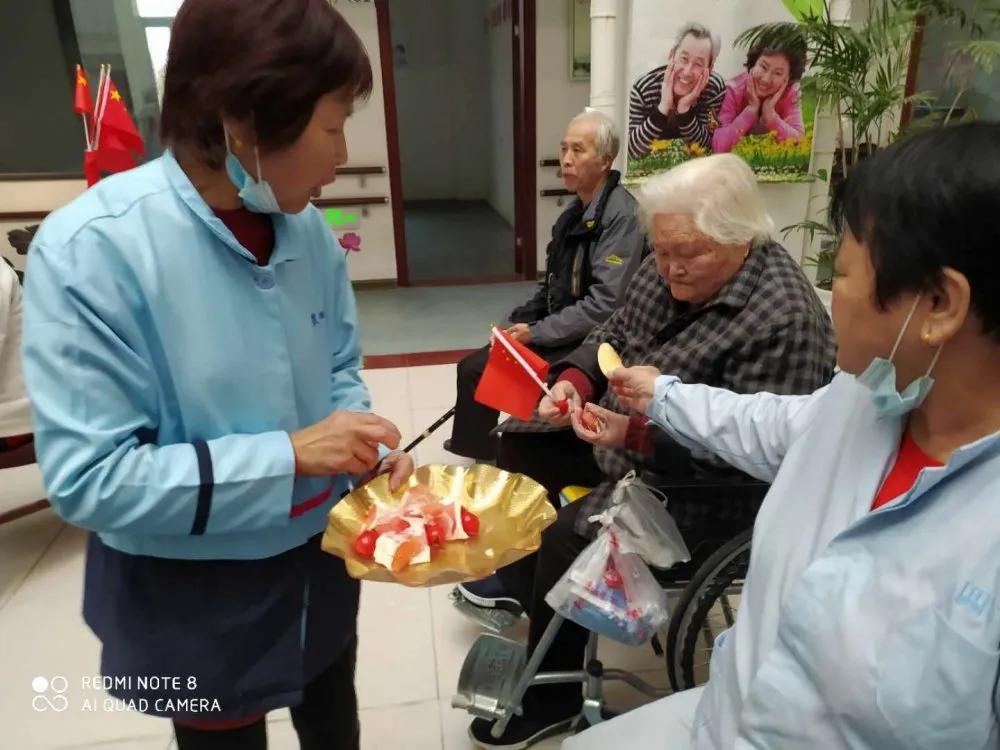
454	76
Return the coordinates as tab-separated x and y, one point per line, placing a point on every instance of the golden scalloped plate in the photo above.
513	511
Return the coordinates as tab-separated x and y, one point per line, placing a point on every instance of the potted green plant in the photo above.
859	73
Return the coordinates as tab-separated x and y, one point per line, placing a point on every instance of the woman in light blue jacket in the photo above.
869	617
192	356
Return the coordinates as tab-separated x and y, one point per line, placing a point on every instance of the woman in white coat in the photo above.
869	617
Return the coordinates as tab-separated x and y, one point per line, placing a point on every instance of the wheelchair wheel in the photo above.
706	607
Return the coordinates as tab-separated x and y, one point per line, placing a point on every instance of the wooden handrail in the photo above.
548	163
55	176
360	171
365	200
553	192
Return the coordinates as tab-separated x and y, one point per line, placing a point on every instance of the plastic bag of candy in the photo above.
611	592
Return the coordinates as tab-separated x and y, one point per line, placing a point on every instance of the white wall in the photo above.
441	100
366	142
557	99
500	148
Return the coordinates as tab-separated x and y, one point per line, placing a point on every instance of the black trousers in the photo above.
554	460
327	718
557	460
470	432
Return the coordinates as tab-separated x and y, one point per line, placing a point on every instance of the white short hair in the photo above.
698	31
606	135
718	192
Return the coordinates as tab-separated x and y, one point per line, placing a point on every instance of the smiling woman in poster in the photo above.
765	97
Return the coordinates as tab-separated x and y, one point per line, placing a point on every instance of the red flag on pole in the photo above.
109	157
115	119
505	384
82	103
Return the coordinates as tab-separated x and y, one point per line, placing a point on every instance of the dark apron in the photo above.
225	638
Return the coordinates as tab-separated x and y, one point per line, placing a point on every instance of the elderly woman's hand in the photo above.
346	442
634	386
549	409
599	426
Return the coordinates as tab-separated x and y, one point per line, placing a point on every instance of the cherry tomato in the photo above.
470	522
434	533
364	545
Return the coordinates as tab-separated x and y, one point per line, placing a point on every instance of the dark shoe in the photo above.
520	732
489	593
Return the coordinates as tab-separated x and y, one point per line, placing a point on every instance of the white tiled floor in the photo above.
404	689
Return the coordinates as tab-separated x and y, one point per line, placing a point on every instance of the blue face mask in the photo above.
256	194
880	378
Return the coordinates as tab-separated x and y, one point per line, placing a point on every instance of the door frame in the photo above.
392	140
525	110
522	37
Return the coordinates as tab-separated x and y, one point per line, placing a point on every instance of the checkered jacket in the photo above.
765	330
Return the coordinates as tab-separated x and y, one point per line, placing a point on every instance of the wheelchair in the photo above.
703	597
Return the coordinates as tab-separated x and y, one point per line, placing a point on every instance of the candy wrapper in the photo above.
512	511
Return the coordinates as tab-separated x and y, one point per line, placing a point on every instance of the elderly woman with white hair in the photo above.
719	303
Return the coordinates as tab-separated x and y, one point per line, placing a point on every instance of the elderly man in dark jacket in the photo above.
719	303
596	247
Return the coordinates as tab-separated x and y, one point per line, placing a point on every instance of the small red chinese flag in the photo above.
82	103
505	385
110	156
116	121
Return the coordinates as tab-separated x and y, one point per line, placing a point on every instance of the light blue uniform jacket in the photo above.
856	629
167	370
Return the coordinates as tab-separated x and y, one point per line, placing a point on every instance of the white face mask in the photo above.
256	194
880	378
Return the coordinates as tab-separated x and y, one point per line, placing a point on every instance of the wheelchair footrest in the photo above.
496	619
489	675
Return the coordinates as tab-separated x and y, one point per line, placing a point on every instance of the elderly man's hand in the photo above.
549	409
667	90
634	386
599	426
687	102
520	332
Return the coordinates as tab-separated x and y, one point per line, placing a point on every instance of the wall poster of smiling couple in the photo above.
695	92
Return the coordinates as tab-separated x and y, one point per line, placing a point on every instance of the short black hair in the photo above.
789	44
928	202
269	60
